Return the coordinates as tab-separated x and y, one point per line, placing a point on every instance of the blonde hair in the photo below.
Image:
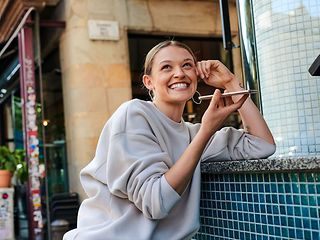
153	52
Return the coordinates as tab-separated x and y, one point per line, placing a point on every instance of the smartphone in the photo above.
227	94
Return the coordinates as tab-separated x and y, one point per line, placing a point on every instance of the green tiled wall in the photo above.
260	206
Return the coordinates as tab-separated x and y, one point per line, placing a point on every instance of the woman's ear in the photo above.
146	79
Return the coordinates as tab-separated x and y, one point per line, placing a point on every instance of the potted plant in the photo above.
12	162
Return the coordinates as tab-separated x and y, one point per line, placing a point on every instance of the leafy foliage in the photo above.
14	162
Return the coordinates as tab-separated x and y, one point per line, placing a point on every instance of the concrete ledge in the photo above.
262	165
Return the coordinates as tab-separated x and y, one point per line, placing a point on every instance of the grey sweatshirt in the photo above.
128	195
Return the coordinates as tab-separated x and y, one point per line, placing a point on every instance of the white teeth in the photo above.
179	85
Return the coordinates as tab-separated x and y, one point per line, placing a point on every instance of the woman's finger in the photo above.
215	99
200	69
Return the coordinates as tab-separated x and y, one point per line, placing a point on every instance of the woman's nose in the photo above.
178	72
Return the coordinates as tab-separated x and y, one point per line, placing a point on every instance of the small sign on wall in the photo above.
103	30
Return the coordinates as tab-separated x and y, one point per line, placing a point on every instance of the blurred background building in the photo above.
66	65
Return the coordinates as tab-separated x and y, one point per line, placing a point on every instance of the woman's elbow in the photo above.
268	150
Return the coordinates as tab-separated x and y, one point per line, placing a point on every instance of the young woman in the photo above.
144	181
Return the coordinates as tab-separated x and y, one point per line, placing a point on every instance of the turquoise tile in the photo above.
292	233
312	201
317	177
291	222
296	199
302	177
286	208
294	177
287	188
258	228
305	212
311	189
248	177
273	177
282	210
307	234
316	235
250	207
303	188
274	198
286	177
268	198
311	177
295	188
283	221
314	224
281	188
252	227
297	211
263	209
304	200
279	177
254	178
267	188
275	209
265	229
271	229
284	232
289	199
298	222
269	209
289	209
306	223
236	177
281	199
313	212
264	219
261	188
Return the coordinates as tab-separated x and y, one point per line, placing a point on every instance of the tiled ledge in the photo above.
262	165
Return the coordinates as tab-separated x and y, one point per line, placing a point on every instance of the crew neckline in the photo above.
169	120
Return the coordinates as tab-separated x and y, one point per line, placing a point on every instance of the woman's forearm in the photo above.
181	172
253	121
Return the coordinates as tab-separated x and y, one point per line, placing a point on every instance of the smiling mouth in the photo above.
179	86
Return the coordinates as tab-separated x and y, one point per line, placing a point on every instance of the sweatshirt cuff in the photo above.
169	196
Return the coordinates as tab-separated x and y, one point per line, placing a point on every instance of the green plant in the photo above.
14	162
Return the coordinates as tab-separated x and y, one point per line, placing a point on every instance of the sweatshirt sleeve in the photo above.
232	144
135	170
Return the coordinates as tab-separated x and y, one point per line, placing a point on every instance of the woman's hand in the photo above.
218	110
215	74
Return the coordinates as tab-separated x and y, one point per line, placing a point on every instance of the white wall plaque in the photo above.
103	30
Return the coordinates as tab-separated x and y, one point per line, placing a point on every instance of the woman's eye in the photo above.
188	65
165	67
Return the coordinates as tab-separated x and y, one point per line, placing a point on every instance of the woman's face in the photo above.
173	77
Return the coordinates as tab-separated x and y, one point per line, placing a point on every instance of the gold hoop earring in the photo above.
195	98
